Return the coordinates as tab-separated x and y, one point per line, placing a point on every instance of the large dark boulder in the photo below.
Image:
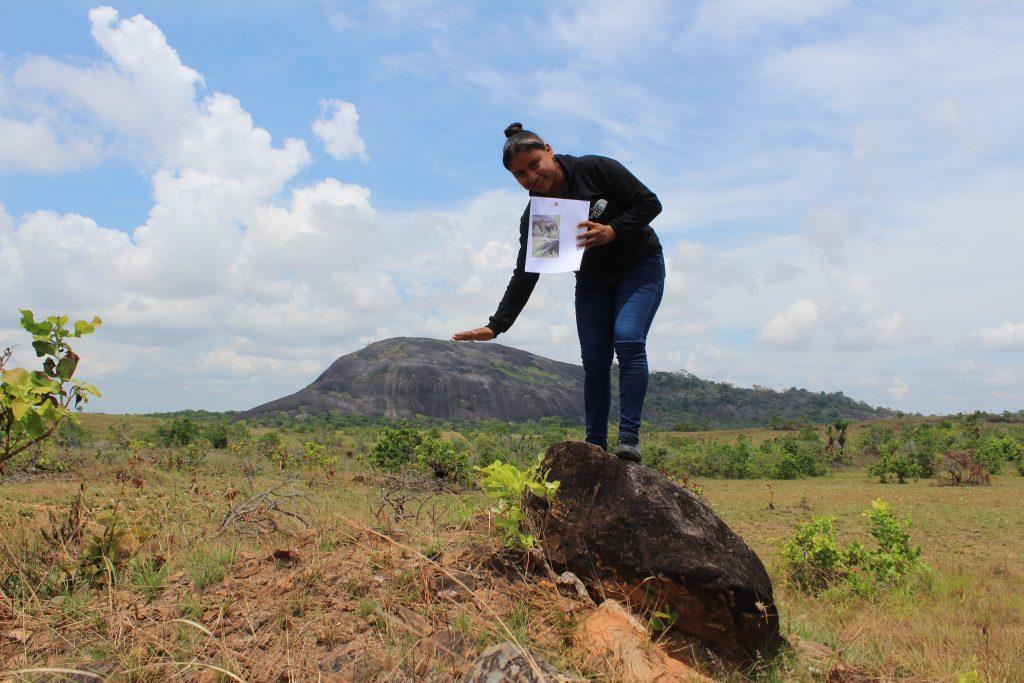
634	534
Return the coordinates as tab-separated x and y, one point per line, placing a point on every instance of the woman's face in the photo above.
537	171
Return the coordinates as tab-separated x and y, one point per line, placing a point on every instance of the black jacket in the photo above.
631	207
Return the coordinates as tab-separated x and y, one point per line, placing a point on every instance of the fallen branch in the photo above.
259	507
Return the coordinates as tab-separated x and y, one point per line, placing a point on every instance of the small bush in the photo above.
507	485
268	443
71	434
963	468
894	463
318	455
814	559
994	451
178	432
445	459
396	448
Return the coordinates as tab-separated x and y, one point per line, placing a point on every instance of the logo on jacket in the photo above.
598	208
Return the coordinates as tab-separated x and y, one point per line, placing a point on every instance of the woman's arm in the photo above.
517	293
519	288
627	191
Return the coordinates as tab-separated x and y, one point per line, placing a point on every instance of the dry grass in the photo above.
966	616
351	597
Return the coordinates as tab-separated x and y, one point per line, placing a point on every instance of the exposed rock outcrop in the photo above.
404	377
614	641
634	534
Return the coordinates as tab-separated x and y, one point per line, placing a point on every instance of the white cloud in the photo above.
338	128
1004	337
869	172
33	146
791	329
898	388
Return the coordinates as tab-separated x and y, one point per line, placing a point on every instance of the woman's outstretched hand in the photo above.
479	334
596	234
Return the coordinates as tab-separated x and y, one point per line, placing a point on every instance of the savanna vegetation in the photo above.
198	546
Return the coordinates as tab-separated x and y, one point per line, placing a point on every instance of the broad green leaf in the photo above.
34	424
87	388
15	376
44	347
19	409
67	365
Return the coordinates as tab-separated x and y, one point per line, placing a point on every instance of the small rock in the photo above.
19	635
613	641
511	663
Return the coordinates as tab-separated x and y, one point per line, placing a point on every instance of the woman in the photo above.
619	283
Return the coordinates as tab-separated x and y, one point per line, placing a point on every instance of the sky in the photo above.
245	191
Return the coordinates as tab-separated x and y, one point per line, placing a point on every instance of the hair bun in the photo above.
513	128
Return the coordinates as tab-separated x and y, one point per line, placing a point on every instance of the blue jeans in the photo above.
613	315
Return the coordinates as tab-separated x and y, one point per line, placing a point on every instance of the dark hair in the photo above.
518	140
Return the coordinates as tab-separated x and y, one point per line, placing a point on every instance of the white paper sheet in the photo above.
551	240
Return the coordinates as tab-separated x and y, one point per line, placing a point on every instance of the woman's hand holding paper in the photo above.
596	234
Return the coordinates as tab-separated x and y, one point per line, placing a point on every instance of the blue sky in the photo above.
840	181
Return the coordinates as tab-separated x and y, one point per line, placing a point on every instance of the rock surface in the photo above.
405	377
511	663
634	534
408	376
613	641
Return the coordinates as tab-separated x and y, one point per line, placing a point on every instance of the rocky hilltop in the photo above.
408	376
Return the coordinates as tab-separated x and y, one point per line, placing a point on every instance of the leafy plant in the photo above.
178	432
395	448
508	485
892	462
814	559
33	404
445	459
994	451
316	454
108	551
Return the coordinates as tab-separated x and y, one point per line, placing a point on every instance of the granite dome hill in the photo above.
408	376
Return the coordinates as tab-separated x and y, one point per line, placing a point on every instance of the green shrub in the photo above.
193	455
445	459
180	431
793	456
894	556
318	455
396	448
217	433
994	451
71	434
814	559
268	444
892	462
507	486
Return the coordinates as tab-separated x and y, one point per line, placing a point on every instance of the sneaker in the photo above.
628	447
